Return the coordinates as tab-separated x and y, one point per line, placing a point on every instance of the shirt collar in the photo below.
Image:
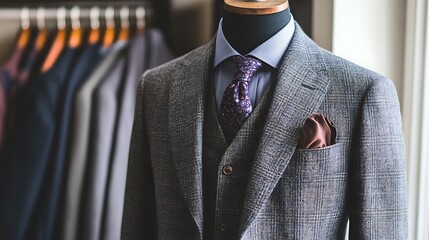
271	51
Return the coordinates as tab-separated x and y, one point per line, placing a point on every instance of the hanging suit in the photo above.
81	122
146	51
29	69
103	120
26	173
82	67
7	74
72	183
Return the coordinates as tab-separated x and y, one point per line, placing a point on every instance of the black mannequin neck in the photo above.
246	32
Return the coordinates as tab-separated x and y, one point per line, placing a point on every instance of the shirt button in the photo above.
222	228
227	170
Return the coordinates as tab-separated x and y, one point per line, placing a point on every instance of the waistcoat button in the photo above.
227	170
222	228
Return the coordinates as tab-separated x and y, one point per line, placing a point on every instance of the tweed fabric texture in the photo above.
223	194
290	193
214	148
236	106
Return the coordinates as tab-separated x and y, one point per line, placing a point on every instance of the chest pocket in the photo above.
318	162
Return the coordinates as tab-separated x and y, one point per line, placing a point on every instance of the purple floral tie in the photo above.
236	106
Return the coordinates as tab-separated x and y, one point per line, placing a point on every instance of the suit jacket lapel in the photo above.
186	105
300	89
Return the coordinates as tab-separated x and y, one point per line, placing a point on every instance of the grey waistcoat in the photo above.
224	190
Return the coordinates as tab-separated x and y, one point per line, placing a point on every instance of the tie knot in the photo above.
246	67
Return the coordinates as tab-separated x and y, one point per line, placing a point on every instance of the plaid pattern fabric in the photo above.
223	195
290	193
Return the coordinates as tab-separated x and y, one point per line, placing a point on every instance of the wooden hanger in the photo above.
59	41
109	36
124	14
95	34
75	39
141	20
255	7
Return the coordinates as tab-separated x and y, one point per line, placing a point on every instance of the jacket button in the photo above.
227	170
222	228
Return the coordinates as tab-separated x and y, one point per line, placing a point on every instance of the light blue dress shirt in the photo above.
269	52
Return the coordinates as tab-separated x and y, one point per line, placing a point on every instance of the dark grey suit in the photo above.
289	193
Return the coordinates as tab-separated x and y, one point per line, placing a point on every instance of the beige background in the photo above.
191	23
8	33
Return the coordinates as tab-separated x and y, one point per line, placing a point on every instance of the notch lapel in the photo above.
302	83
186	105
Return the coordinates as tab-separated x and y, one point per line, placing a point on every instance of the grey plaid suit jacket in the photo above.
291	193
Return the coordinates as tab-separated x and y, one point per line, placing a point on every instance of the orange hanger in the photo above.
76	36
141	20
41	40
59	41
39	45
124	34
95	34
109	36
42	36
24	36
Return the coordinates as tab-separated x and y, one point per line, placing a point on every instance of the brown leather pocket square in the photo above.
317	132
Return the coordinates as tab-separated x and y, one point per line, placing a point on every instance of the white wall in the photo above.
322	23
372	34
415	115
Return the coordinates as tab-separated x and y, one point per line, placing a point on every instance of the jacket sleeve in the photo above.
378	186
139	219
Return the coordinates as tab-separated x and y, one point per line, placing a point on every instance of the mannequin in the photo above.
272	182
248	24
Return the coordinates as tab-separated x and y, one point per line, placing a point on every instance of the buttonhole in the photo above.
308	86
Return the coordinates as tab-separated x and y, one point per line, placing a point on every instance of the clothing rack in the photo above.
75	79
45	15
49	11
